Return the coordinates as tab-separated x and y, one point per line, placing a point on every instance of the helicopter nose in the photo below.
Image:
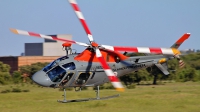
41	78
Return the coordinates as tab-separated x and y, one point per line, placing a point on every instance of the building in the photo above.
48	48
16	61
187	51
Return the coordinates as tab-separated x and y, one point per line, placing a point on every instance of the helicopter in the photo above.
98	64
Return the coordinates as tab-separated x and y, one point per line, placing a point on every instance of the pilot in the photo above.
65	80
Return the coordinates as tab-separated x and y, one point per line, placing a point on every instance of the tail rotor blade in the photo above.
181	64
112	77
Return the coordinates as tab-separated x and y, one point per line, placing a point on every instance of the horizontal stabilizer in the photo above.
163	69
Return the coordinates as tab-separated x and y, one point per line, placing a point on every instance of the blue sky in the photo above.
142	23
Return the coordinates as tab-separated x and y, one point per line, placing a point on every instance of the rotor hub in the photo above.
94	44
66	44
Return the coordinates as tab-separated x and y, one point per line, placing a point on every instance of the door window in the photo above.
82	79
67	78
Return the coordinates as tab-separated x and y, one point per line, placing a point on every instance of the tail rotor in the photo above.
180	61
177	44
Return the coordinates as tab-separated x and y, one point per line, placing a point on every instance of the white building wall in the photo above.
53	49
48	48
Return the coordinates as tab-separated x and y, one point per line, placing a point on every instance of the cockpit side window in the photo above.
69	66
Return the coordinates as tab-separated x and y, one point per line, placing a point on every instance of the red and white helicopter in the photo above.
99	64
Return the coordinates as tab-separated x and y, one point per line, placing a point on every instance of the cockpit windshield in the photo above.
54	63
56	74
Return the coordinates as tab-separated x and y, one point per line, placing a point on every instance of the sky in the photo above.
141	23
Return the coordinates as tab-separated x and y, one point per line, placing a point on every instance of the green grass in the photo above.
170	97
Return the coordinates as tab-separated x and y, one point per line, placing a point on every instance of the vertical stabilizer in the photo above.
180	41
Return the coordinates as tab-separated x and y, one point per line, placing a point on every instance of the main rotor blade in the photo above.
81	18
167	51
22	32
112	77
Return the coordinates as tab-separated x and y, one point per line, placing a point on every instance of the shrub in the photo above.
109	87
26	90
100	87
132	86
67	89
84	88
5	91
17	90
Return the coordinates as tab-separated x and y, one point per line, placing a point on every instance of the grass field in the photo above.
170	97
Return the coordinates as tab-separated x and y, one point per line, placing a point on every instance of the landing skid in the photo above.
87	99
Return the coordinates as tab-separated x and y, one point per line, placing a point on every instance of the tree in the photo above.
127	79
156	73
135	77
17	77
5	76
33	68
4	67
141	75
187	74
29	70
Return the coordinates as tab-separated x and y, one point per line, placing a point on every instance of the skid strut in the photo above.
87	99
97	93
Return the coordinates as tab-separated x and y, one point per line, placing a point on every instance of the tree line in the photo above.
22	76
151	75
